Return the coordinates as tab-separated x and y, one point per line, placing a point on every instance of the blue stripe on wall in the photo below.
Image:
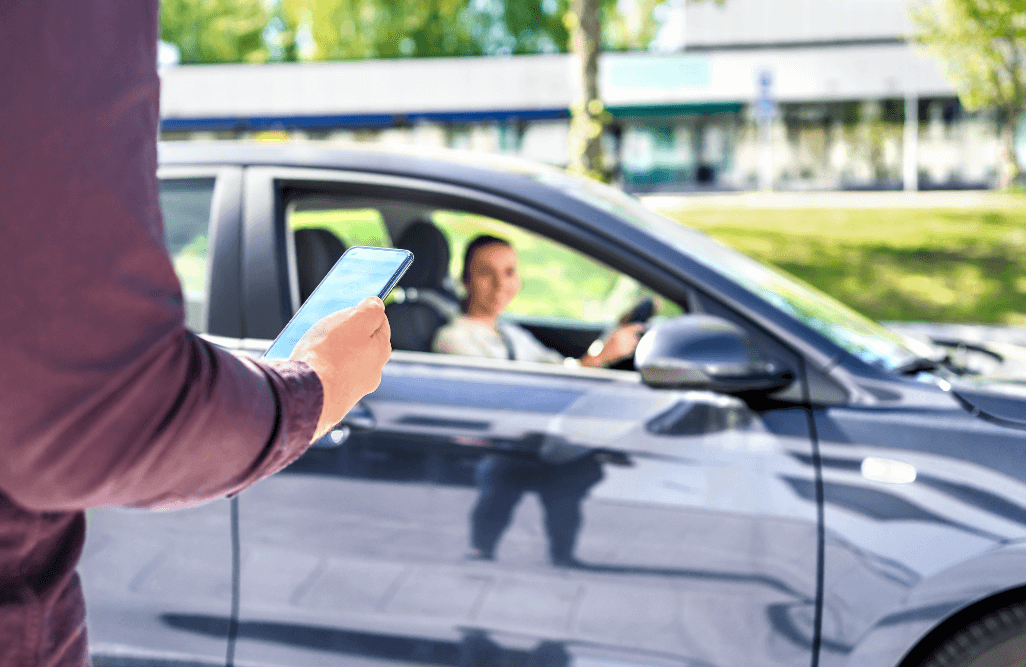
257	123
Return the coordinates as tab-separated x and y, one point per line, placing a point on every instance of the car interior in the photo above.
568	301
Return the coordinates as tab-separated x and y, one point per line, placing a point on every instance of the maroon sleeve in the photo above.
105	398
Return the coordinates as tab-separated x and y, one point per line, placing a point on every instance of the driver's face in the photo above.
493	280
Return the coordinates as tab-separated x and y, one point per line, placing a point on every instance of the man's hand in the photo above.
347	350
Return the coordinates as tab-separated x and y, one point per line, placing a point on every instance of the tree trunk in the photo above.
1012	168
587	113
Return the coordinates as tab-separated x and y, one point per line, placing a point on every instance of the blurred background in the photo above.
870	147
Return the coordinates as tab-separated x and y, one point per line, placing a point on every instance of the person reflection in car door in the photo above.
561	474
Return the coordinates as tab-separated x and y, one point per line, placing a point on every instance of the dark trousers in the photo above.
503	479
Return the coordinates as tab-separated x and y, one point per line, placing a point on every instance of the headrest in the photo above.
317	250
430	251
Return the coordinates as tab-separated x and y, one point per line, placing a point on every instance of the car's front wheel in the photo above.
995	640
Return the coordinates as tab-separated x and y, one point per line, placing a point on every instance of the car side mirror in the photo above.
706	352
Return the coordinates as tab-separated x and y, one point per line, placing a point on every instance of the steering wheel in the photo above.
640	313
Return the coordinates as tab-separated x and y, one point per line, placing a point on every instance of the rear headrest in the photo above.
430	251
317	250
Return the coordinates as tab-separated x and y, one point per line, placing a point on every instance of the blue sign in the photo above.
765	104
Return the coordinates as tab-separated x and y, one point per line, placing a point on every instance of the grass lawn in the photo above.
941	265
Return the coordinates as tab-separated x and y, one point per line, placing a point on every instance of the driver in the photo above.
491	279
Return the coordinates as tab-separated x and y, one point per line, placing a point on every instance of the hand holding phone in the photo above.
347	350
361	272
342	332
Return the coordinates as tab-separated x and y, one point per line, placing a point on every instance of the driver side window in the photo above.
557	281
567	300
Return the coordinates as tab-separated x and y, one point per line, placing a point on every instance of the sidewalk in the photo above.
985	199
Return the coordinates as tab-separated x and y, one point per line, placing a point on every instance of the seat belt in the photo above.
507	342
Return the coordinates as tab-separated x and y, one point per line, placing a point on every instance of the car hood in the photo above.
1000	402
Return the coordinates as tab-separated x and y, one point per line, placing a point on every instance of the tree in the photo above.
359	29
983	43
215	31
587	111
587	21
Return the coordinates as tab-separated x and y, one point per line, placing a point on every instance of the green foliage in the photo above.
983	43
357	29
230	31
943	265
632	30
535	26
215	31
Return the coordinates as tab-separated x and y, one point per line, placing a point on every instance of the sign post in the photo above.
765	114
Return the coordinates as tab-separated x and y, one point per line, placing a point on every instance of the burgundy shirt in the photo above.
105	399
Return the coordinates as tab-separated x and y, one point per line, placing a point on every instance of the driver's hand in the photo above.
347	350
619	346
622	343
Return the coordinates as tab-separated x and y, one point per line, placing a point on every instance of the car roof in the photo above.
456	166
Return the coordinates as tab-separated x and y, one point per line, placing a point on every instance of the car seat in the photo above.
317	250
427	301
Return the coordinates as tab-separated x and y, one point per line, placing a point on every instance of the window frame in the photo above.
270	306
222	307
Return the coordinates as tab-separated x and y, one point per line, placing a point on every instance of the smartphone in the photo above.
359	273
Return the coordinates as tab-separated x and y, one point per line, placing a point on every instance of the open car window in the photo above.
567	301
558	282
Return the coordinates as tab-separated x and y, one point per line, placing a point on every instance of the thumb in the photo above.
369	313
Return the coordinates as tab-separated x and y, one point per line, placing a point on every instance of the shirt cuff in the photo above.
298	399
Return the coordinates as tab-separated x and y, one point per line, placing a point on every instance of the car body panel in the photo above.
671	545
925	493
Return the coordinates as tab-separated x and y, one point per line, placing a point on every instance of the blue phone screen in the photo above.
361	272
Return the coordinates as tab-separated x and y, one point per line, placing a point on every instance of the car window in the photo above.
185	203
558	282
353	225
322	229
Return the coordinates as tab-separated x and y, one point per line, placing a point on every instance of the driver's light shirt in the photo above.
468	337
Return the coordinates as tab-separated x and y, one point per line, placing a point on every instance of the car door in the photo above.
689	548
148	575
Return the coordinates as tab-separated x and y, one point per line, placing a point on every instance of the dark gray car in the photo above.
773	480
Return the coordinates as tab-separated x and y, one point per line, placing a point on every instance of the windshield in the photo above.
853	332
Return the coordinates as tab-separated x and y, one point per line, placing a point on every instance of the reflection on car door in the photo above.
690	550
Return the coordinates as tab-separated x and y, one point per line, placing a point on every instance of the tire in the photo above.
996	640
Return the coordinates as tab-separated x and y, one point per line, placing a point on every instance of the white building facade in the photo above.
789	94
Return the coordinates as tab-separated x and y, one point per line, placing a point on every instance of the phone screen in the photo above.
361	272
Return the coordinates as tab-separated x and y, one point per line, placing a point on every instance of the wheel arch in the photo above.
958	621
940	606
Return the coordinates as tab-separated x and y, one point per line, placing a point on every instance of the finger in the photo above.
367	316
385	329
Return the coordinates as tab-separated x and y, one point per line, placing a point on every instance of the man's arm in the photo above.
105	398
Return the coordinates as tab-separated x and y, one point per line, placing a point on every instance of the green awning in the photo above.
653	110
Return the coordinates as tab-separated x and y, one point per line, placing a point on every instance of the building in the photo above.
791	94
